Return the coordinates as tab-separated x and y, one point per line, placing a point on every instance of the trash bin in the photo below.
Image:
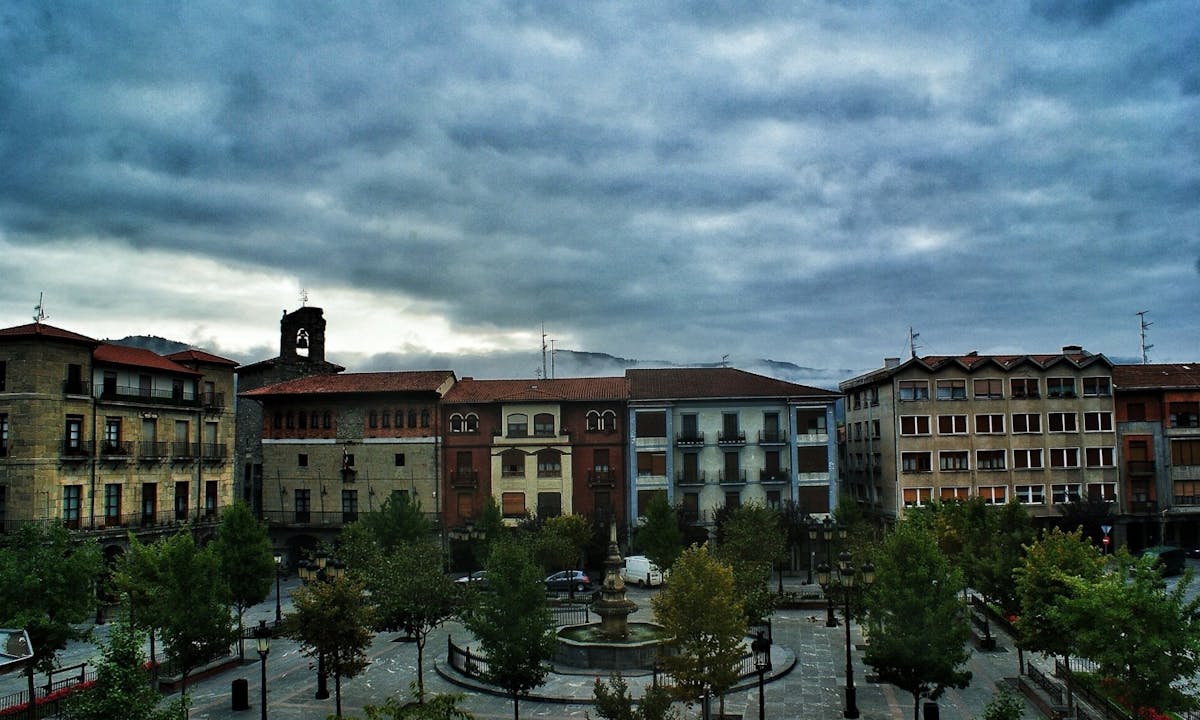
241	694
931	711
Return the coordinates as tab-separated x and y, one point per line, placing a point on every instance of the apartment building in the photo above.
538	447
719	437
1038	429
109	438
1158	423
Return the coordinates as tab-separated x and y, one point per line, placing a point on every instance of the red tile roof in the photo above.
109	354
357	383
1178	375
972	362
697	383
199	356
469	390
44	330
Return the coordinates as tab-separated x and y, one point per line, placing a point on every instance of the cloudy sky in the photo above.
800	181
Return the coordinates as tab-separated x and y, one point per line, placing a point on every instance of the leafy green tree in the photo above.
998	551
244	551
560	541
613	701
1044	584
413	594
437	707
660	538
915	617
1004	705
398	521
47	587
137	577
122	688
1143	637
512	623
332	621
703	610
752	541
192	603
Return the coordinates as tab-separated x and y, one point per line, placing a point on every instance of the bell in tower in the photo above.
302	343
303	334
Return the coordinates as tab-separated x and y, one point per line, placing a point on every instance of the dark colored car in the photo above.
569	580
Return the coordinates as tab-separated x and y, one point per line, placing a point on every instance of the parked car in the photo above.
1170	559
479	577
569	579
641	570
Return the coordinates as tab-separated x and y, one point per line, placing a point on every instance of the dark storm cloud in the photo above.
801	181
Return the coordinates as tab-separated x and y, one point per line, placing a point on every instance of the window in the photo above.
729	427
953	460
73	439
1064	457
183	447
75	379
149	503
1065	492
600	460
950	494
916	462
1027	459
549	463
512	464
181	500
302	499
412	418
549	504
302	460
952	424
592	421
990	424
210	498
1030	494
472	423
1098	457
512	504
951	389
1185	414
994	494
518	425
916	497
302	420
1185	452
1097	422
1062	422
543	425
1102	491
72	501
349	506
3	434
810	422
875	429
651	463
425	418
1024	388
385	419
327	420
991	459
398	460
1060	387
456	423
733	500
914	424
914	389
278	424
732	471
770	431
988	389
1026	423
1097	387
608	421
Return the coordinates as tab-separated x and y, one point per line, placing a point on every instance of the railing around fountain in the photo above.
745	668
464	661
570	614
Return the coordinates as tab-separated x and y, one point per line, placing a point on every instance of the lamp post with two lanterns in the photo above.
849	582
322	569
827	530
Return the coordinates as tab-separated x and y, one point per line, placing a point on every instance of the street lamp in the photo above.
262	638
847	582
278	605
324	570
761	645
827	528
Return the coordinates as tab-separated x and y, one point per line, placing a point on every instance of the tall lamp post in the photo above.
278	603
323	570
262	638
828	528
761	646
849	581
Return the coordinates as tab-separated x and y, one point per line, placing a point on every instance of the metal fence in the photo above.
48	696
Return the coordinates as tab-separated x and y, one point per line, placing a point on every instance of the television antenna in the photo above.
912	342
1145	324
39	310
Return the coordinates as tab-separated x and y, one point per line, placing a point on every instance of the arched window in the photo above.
472	423
373	419
549	463
456	423
289	420
593	420
327	420
512	463
385	419
518	425
412	418
543	425
425	418
399	419
608	421
314	421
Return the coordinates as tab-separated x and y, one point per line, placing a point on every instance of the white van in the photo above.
639	570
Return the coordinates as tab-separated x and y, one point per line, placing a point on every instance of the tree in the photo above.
122	687
613	701
398	521
138	576
916	619
437	707
1044	585
47	586
512	623
244	551
751	541
559	543
660	539
998	551
1004	705
702	609
1142	636
332	621
413	594
192	603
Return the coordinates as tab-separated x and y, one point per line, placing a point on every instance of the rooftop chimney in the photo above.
891	362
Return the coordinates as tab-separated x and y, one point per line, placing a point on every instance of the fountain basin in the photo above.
585	646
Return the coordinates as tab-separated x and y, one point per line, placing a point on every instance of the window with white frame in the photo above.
593	420
1100	386
1099	457
1097	421
1027	459
953	460
916	497
916	462
1065	492
1102	491
1026	423
1062	422
989	424
951	389
993	494
1030	494
952	424
1023	388
456	423
914	389
608	420
1063	387
988	388
991	459
1064	457
471	423
914	424
952	493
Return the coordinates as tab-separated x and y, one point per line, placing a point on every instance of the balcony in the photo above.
737	477
774	475
772	437
130	393
731	438
601	478
116	450
213	400
464	478
693	438
214	452
142	520
150	451
76	387
76	450
184	451
690	478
